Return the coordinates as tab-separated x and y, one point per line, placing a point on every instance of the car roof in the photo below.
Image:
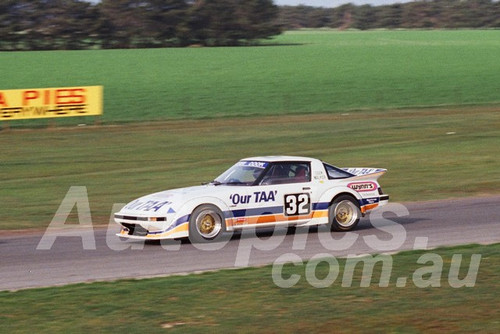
278	158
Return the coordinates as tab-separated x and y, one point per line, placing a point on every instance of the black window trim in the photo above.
338	169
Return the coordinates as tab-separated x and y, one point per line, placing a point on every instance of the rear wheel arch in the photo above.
354	198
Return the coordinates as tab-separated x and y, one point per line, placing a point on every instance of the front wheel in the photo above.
206	224
344	213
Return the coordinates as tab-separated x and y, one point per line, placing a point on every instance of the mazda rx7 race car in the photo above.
257	192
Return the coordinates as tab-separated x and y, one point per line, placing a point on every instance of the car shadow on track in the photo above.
269	232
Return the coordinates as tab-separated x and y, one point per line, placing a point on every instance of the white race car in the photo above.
257	192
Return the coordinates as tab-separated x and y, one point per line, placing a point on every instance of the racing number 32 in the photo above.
297	204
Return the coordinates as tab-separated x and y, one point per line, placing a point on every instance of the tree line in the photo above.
80	24
423	14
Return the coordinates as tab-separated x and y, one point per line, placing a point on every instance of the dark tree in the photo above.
365	17
232	22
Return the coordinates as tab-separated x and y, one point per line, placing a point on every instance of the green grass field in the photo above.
312	71
248	301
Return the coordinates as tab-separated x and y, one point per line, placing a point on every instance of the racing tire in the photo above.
207	224
344	213
290	230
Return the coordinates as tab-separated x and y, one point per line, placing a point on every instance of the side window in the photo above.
287	172
336	173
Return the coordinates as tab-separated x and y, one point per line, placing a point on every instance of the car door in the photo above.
290	182
252	205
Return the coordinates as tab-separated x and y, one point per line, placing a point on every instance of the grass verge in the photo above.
248	301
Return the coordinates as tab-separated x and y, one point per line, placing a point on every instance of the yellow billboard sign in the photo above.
16	104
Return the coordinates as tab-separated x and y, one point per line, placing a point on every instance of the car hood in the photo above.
165	202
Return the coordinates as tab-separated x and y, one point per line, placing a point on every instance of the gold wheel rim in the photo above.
208	224
345	213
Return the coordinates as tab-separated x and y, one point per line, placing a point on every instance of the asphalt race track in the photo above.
57	257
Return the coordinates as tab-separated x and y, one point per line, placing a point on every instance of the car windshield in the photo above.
242	173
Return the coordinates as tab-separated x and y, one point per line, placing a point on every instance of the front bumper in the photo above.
152	228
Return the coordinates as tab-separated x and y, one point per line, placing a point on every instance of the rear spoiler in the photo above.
365	173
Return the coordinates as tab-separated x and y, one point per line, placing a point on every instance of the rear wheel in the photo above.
344	213
206	224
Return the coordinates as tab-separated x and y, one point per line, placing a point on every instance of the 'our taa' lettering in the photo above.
256	197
